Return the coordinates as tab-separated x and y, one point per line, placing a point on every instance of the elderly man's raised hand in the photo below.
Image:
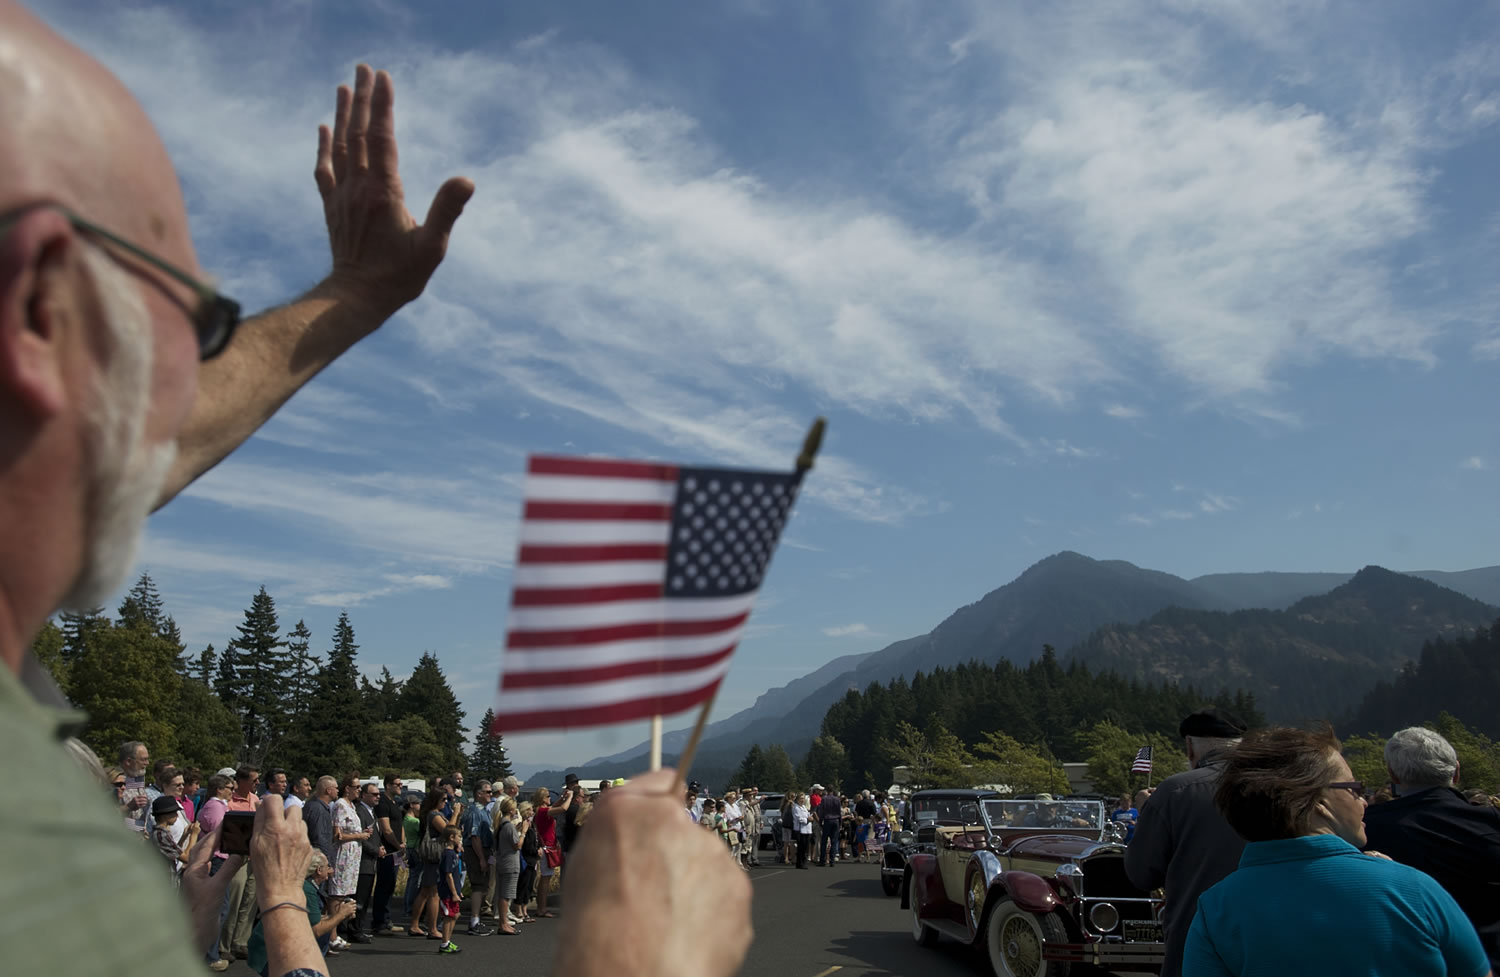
651	893
279	853
381	256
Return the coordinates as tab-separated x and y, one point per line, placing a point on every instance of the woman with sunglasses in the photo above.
115	777
1305	899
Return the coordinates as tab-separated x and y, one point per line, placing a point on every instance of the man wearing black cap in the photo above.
1181	840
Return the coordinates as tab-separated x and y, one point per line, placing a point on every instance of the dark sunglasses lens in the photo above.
216	324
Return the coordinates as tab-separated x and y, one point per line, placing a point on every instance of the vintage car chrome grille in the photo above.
1105	880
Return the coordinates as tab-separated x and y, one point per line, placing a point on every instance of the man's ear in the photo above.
35	308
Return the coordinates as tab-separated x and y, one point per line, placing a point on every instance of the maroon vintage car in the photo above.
1040	885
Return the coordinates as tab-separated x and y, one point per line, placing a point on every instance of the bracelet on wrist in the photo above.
301	907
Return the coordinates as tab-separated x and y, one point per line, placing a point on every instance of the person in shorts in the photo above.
451	886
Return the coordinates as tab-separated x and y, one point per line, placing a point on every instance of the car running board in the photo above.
949	928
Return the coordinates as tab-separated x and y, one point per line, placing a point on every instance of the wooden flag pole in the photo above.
656	742
810	446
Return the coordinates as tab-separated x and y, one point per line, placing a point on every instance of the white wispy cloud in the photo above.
1474	463
1065	449
1217	503
395	584
848	630
1124	412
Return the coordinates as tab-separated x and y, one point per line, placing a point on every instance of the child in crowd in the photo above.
165	812
451	886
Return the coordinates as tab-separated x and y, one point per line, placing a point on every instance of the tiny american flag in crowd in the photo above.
632	586
1142	762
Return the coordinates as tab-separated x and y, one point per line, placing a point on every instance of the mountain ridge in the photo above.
1012	621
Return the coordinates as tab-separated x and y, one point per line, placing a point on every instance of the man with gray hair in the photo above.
1181	840
1430	826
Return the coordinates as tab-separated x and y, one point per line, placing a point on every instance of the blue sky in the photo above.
1203	286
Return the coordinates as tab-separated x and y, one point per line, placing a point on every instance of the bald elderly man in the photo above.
125	375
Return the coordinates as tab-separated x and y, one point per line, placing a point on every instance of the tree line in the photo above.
1459	676
1001	724
266	699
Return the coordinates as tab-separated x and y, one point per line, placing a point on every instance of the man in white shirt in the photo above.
298	794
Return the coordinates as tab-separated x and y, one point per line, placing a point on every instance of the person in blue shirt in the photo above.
451	886
1305	899
1125	813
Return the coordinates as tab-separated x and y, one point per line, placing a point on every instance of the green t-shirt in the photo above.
256	958
413	828
86	865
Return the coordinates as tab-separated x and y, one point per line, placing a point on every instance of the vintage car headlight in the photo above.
1115	831
1104	917
1071	875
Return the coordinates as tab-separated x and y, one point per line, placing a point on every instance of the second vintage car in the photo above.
925	811
1040	885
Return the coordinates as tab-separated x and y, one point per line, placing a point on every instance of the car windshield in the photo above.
946	810
771	802
1060	815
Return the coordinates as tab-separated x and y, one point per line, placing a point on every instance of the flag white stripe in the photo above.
588	574
607	693
591	488
616	652
595	531
573	617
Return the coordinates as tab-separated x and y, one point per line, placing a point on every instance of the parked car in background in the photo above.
925	810
1040	885
770	821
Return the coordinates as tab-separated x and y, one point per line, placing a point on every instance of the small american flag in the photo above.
632	587
1142	762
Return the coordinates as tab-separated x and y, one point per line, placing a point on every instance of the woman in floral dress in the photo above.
347	835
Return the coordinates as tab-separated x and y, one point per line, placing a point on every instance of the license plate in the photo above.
1139	932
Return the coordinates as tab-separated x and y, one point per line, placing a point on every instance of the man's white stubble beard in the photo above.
125	477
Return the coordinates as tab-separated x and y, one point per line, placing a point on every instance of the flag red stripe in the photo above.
649	511
622	632
601	468
553	596
606	673
591	553
614	712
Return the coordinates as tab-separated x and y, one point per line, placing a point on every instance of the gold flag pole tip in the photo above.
810	446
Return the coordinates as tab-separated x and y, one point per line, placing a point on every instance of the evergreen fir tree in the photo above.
489	759
427	694
170	633
260	666
303	680
336	719
79	629
142	607
207	667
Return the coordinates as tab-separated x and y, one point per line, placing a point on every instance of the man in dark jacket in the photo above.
1182	842
1429	826
831	813
371	850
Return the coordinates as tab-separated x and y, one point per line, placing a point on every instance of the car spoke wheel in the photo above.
1015	939
924	935
891	885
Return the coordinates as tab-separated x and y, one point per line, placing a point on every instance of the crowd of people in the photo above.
833	826
500	851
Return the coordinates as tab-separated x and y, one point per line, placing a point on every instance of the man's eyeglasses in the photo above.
215	317
1355	787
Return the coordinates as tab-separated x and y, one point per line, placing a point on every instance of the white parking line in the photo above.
766	875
